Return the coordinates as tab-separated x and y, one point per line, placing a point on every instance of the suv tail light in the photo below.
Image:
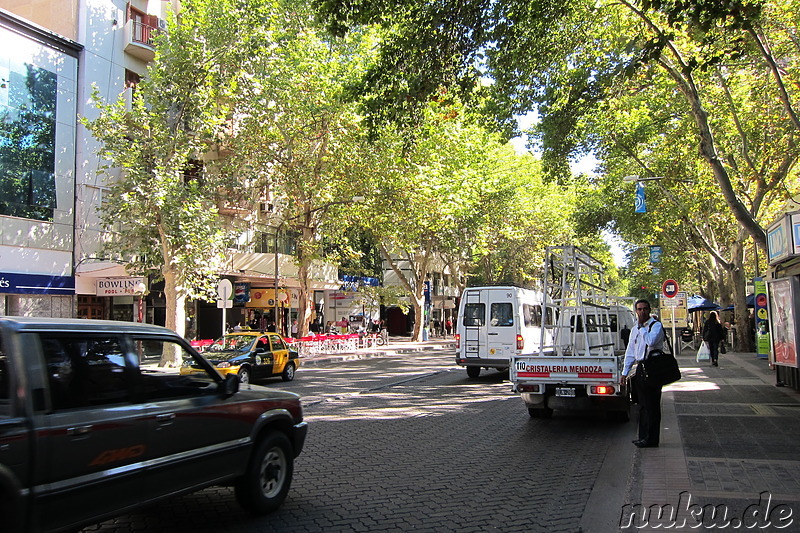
520	342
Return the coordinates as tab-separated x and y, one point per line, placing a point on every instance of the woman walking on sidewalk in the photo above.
713	333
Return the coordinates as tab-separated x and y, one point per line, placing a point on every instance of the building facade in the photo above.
53	55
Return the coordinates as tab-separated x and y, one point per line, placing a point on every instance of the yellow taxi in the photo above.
251	355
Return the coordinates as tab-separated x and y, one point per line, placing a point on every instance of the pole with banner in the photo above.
225	301
670	290
761	318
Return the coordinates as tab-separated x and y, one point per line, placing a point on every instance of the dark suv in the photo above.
92	424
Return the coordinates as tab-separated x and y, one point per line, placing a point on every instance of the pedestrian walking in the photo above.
647	335
448	326
713	333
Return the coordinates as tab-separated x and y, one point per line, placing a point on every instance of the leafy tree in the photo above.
571	60
162	216
300	137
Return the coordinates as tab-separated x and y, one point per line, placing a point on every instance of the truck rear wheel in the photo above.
473	371
540	412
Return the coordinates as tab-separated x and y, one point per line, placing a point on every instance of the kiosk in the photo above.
783	290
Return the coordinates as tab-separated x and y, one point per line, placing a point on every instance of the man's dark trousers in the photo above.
649	397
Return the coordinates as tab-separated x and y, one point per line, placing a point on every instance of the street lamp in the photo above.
354	199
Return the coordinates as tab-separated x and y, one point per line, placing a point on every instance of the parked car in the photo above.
251	355
92	425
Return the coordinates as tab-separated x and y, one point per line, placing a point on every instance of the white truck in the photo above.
581	368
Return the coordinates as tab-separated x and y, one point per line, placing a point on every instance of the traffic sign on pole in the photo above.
670	288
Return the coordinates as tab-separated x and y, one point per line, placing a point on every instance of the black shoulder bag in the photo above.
660	367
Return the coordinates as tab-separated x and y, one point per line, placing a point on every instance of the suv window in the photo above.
85	371
161	382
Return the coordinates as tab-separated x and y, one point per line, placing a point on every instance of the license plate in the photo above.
565	392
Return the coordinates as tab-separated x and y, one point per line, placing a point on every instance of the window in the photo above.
160	382
502	314
5	382
532	315
474	315
85	371
28	142
277	343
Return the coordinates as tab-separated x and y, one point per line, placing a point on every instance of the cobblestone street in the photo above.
413	443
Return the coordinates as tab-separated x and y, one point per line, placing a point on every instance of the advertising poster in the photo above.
761	317
782	319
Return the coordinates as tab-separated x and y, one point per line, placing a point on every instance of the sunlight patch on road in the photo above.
383	405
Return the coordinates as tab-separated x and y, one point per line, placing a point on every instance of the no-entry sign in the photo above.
670	288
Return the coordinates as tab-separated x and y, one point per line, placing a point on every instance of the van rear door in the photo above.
502	328
473	320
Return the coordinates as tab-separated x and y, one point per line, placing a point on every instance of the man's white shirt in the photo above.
642	340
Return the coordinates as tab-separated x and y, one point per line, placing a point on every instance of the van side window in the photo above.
502	314
532	315
85	371
474	315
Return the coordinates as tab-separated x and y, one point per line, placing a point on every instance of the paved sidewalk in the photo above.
729	457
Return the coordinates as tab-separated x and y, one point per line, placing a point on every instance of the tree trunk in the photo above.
418	302
304	259
176	314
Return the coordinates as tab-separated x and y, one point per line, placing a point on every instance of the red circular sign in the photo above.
670	288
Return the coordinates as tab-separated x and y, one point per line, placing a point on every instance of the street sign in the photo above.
670	288
655	254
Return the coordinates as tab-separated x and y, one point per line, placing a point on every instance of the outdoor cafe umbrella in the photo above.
698	303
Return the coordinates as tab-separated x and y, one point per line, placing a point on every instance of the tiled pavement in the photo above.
729	457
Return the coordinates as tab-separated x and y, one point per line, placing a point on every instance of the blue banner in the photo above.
640	205
13	283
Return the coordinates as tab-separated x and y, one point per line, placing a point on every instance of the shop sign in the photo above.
241	293
780	241
13	283
265	298
795	222
119	286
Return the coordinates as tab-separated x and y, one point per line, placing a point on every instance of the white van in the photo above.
616	320
496	323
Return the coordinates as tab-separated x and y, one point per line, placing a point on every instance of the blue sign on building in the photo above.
13	283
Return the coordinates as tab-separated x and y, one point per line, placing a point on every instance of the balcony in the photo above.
139	39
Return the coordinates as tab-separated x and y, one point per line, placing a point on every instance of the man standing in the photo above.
647	335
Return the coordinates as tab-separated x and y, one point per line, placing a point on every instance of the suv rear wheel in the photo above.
264	486
473	371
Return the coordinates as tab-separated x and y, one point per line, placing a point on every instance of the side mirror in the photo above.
230	386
